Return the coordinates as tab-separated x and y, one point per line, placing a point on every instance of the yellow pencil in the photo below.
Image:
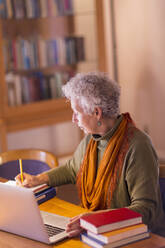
21	170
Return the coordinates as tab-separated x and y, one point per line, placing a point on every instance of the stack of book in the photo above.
43	193
113	228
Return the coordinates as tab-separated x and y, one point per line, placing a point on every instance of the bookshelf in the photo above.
42	112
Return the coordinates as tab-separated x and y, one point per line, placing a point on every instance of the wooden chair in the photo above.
34	161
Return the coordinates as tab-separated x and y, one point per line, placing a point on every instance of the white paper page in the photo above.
13	183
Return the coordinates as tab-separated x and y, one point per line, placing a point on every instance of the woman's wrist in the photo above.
43	178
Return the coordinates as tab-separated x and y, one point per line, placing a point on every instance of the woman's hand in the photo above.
31	181
73	227
28	180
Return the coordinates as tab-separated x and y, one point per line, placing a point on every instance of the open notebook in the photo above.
19	214
42	192
34	189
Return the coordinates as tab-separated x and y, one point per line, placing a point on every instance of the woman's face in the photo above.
86	122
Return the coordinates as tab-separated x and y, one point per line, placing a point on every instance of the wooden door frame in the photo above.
100	23
106	36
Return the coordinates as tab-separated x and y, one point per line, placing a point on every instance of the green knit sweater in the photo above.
138	187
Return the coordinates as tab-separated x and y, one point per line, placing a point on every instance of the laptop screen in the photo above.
19	213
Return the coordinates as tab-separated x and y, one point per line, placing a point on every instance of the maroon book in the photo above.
110	220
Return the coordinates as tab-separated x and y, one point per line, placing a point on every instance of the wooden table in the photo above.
55	205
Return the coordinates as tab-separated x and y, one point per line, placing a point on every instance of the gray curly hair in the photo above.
92	90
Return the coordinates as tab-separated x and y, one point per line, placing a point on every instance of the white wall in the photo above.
55	138
64	138
140	39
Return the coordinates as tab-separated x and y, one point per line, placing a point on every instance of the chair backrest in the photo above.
34	161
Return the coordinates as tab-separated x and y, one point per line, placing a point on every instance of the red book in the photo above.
40	188
110	220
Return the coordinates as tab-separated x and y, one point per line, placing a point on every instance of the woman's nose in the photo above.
74	119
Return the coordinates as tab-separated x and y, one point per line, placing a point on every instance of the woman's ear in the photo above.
98	112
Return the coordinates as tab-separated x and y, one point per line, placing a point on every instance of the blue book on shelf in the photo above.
45	195
68	7
2	9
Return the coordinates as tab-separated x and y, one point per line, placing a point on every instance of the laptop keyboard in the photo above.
52	230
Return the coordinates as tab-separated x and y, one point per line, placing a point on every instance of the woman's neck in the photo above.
106	125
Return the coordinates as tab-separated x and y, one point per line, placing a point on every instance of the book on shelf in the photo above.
53	88
18	90
43	9
25	90
2	9
118	234
9	78
110	220
11	94
36	52
18	8
99	244
42	192
34	8
34	86
9	11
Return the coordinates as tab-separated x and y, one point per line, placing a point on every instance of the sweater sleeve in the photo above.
142	181
67	173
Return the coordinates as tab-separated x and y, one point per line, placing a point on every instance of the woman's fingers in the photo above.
75	232
28	180
73	227
18	179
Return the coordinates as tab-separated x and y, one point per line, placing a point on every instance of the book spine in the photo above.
91	241
42	191
18	89
43	9
45	195
9	78
3	9
9	10
25	90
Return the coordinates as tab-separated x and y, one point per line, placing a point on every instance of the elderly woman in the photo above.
115	165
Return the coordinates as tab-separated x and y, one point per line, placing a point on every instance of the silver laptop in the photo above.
19	214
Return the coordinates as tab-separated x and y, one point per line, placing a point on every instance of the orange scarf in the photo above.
94	185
